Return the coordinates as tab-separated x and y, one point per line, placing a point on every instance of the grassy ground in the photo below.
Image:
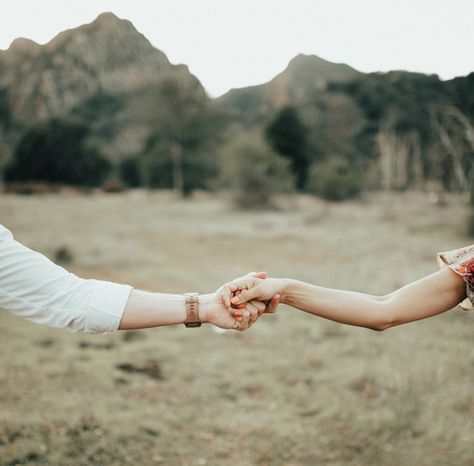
295	390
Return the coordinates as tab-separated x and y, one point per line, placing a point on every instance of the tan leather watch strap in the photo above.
192	310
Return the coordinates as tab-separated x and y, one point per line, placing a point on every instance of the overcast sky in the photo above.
236	43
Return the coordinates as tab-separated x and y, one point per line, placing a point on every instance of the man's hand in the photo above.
251	287
215	311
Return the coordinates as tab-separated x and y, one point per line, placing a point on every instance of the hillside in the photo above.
402	129
107	61
305	77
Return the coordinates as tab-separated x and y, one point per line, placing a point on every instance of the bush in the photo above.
113	186
156	167
28	189
335	179
470	225
471	187
57	152
254	172
63	255
130	174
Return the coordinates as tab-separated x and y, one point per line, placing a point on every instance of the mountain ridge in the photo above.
304	76
106	56
107	72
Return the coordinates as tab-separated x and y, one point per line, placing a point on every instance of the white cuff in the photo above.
106	307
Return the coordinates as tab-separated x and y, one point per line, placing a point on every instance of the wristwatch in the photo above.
192	310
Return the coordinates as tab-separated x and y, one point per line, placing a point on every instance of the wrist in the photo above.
285	286
207	303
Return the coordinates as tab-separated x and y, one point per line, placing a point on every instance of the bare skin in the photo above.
146	310
426	297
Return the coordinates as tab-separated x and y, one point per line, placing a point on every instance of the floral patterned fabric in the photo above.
462	262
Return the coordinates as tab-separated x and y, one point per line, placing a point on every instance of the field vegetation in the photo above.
294	390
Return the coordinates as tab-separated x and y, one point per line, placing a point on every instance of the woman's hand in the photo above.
216	312
253	287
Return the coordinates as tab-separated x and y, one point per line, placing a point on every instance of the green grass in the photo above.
294	390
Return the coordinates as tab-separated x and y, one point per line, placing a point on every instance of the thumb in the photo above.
245	295
258	275
273	304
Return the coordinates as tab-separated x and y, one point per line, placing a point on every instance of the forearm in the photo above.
146	310
347	307
33	287
426	297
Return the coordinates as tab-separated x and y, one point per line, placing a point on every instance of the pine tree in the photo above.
287	135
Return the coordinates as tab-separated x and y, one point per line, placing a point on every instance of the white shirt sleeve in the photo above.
33	287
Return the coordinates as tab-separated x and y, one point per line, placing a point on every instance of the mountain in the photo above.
107	75
105	60
403	128
305	77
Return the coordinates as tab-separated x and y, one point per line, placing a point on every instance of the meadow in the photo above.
294	390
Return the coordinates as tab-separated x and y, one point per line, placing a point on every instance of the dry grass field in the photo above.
294	390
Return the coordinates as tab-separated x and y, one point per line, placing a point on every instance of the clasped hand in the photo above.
243	300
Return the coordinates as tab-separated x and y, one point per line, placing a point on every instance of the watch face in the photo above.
192	324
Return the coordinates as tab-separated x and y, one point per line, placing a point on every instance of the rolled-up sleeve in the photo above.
33	287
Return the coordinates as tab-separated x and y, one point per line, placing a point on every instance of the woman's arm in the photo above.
423	298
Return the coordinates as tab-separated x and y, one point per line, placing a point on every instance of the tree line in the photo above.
414	131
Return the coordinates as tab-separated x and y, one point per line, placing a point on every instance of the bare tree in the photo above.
400	157
454	130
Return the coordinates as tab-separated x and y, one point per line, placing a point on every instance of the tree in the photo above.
400	159
57	152
287	135
471	203
129	170
254	172
180	151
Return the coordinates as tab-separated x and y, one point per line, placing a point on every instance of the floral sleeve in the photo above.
462	262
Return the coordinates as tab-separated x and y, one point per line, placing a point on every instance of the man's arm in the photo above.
33	287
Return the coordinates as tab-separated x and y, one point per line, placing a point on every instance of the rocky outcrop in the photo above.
305	77
106	57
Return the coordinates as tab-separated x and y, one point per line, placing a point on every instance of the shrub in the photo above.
470	225
113	186
28	188
129	170
63	255
57	152
155	166
254	172
335	179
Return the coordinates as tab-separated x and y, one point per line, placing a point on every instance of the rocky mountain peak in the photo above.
107	17
312	66
23	46
107	57
305	77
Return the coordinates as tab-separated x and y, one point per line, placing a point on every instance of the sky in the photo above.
229	44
